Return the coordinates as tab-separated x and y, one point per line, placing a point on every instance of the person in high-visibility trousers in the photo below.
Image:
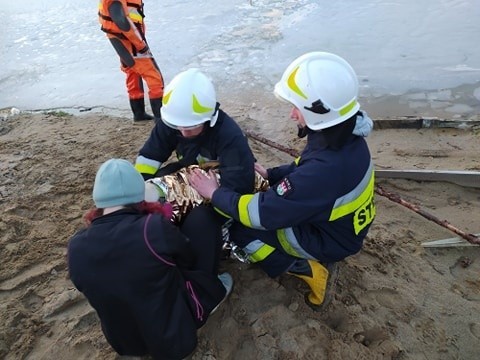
319	208
123	23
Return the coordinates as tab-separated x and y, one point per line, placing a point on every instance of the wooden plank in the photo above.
462	178
411	122
451	242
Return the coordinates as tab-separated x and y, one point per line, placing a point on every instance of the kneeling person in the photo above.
151	283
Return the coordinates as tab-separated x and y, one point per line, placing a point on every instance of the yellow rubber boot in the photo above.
316	276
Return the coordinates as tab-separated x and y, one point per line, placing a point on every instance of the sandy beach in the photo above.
394	300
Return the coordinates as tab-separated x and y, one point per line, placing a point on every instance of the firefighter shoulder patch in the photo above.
284	187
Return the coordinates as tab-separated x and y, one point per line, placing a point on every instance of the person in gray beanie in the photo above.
152	284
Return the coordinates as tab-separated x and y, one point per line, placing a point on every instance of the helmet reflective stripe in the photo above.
166	97
293	84
189	100
324	88
346	109
199	108
196	106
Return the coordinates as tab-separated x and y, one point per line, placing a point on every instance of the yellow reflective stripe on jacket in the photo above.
261	253
146	169
243	209
222	213
134	11
282	238
248	211
135	16
146	166
258	251
290	244
364	215
350	202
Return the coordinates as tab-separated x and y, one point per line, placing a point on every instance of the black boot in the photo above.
138	109
156	105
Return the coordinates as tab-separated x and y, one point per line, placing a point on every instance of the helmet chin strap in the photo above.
302	132
214	118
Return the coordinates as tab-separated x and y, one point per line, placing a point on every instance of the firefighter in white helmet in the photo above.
319	208
197	130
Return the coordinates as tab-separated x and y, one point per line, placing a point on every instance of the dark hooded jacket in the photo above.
134	269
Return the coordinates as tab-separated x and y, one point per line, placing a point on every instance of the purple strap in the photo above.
145	237
198	305
188	284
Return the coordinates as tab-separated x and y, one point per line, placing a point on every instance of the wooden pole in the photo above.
271	143
472	238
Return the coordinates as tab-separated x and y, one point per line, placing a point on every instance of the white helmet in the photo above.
189	100
323	86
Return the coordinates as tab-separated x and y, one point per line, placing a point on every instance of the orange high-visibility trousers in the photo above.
138	68
146	69
125	29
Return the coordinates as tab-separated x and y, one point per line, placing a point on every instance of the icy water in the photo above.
411	56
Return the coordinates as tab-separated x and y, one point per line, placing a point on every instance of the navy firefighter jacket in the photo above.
321	205
145	305
224	142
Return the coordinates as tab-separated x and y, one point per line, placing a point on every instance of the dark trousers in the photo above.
203	228
274	264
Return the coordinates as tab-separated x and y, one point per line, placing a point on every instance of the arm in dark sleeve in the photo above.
170	241
237	170
116	11
297	198
161	142
156	150
276	174
118	16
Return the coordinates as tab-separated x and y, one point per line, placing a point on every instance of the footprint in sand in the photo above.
30	275
475	330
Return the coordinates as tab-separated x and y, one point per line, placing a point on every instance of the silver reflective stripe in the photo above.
253	212
253	247
146	161
357	191
294	244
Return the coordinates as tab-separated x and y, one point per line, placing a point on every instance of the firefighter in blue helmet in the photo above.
319	208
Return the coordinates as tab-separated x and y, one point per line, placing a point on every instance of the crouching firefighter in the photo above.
123	24
319	208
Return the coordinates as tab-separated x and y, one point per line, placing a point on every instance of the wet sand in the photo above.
393	300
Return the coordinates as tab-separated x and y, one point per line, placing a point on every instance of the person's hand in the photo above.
204	184
261	170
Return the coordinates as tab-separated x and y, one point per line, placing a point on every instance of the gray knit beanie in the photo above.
117	183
